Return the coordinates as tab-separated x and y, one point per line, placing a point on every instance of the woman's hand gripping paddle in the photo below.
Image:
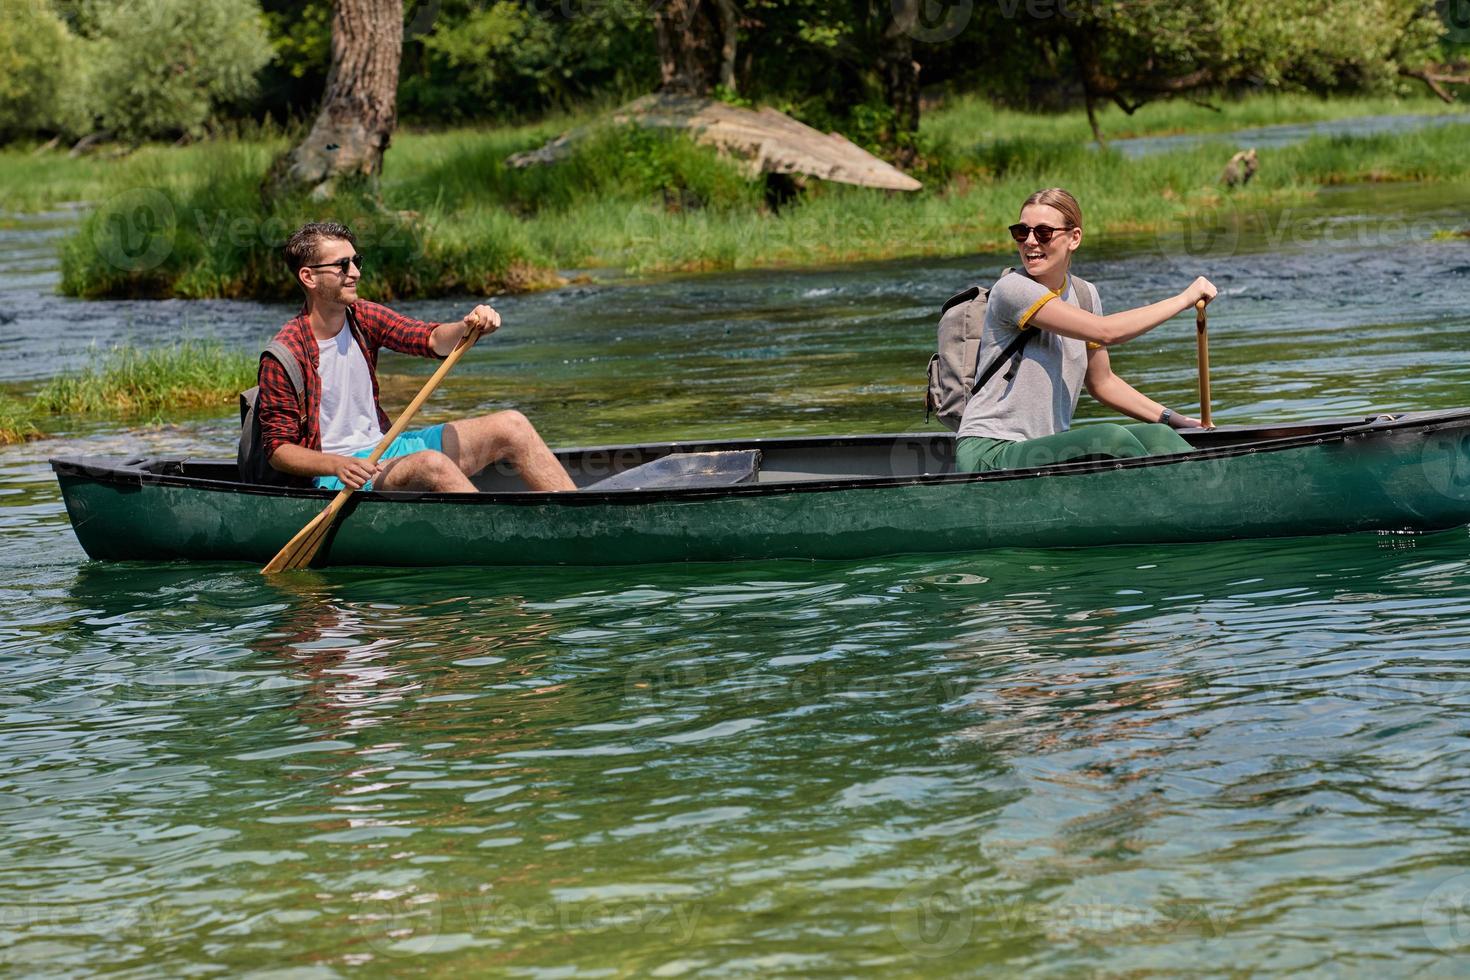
302	549
1203	340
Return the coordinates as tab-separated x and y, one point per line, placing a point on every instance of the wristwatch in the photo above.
1168	414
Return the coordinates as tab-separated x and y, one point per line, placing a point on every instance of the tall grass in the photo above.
17	422
453	217
39	182
129	381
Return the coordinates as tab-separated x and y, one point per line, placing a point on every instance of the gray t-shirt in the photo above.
1042	396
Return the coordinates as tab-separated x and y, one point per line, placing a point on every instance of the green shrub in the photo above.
40	72
164	67
165	230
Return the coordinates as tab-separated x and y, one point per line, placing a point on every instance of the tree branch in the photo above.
1436	80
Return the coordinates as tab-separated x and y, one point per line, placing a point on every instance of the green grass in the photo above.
40	182
17	422
128	381
453	218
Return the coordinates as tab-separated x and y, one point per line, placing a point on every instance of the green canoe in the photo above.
848	497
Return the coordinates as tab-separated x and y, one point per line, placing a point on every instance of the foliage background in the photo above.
162	69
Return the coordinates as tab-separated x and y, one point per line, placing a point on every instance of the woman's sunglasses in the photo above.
341	264
1044	233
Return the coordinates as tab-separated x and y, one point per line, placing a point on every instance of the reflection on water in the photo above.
1114	760
1087	758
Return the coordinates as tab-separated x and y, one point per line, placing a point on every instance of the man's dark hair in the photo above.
301	248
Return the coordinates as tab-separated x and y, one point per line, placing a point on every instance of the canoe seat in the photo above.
684	470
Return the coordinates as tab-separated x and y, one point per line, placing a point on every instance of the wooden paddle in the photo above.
1203	340
302	549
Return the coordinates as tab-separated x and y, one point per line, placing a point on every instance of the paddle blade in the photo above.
302	549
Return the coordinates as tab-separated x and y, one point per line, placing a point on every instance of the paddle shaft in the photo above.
1202	338
301	549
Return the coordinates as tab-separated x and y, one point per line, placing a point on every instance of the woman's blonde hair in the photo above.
1062	200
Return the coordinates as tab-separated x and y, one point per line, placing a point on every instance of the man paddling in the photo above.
335	339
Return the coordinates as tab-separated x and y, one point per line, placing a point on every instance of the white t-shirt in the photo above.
349	417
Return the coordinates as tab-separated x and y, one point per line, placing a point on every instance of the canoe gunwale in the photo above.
131	473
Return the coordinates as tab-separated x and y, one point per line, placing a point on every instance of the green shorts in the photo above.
978	454
405	445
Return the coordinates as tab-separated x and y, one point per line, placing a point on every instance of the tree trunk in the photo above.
359	108
729	28
696	45
901	80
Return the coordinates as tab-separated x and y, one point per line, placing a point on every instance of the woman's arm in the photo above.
1070	321
1117	394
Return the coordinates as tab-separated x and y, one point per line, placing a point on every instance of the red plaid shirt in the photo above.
282	417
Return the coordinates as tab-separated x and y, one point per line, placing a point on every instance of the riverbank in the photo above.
187	221
126	382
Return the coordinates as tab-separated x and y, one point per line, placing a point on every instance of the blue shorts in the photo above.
405	445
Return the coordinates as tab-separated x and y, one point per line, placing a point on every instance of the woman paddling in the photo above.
1024	419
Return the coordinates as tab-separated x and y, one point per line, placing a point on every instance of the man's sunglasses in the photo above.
1044	233
341	265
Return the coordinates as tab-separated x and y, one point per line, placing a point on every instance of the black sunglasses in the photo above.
1044	233
341	264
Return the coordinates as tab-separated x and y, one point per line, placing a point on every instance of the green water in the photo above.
1238	758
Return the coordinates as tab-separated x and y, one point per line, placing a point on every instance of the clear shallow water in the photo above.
1286	134
1236	757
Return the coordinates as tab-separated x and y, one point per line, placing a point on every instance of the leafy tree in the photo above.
516	58
40	71
165	67
1145	50
301	38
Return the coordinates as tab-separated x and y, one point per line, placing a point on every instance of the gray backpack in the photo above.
251	458
954	366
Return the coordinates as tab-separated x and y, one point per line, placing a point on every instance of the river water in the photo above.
1286	134
1245	757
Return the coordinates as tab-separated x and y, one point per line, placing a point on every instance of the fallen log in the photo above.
765	141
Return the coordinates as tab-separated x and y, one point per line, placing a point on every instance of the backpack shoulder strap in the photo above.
963	296
1015	347
287	360
1085	293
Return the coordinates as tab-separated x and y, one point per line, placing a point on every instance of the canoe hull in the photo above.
1393	478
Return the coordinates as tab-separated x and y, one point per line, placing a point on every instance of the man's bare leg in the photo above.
474	444
427	470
